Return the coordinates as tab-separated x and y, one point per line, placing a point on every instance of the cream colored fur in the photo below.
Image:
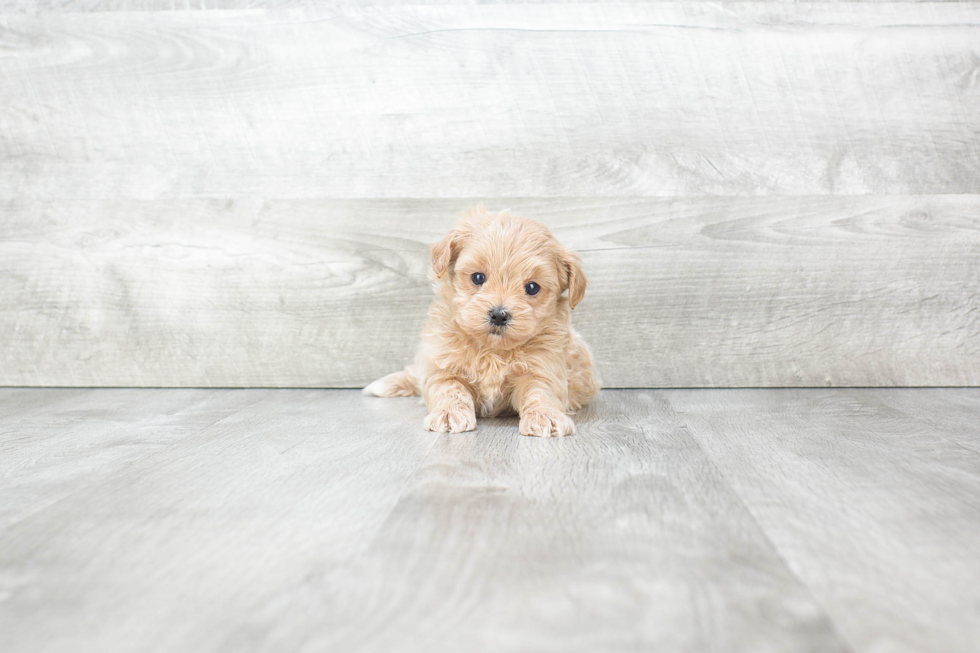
536	365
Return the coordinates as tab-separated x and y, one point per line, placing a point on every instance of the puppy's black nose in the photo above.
499	317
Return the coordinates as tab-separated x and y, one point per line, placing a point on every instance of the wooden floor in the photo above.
306	520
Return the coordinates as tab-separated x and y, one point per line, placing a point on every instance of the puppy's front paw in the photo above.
546	422
452	420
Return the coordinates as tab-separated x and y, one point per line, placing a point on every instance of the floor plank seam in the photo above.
844	641
367	542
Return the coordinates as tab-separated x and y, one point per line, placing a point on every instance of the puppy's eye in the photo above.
478	278
531	288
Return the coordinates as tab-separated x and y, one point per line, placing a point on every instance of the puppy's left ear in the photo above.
574	279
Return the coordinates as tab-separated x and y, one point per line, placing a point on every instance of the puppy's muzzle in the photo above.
498	317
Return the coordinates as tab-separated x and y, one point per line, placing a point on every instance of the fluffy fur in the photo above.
536	364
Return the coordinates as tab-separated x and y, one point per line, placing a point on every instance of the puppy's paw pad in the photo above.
453	420
546	423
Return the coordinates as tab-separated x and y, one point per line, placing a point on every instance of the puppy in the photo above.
499	338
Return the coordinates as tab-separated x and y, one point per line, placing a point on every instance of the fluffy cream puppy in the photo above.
499	338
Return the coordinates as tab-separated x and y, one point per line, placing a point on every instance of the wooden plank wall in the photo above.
764	194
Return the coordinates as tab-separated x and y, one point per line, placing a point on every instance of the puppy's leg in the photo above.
583	383
396	384
450	406
542	411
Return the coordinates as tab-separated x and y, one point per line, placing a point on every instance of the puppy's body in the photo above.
504	345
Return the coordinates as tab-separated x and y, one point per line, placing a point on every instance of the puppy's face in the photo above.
507	276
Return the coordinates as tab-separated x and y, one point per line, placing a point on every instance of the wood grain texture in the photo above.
572	100
171	551
958	423
68	440
329	521
829	291
15	401
877	512
623	537
73	6
725	520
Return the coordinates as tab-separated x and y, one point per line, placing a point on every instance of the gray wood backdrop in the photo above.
764	194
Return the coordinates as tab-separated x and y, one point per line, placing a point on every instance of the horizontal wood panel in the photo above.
38	6
787	291
583	100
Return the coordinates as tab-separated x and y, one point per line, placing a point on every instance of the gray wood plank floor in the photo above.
322	520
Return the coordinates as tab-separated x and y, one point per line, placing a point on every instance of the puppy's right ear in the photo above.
445	252
574	279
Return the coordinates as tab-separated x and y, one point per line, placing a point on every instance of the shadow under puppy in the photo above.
499	338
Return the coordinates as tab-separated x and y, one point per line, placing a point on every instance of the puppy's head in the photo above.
505	276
